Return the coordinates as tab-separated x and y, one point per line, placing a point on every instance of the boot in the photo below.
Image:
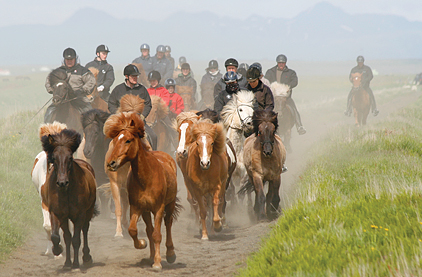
348	111
375	112
300	129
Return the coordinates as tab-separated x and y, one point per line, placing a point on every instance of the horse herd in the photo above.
214	158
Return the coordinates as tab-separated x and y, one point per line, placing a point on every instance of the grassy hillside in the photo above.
359	210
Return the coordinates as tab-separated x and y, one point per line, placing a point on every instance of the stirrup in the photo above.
375	112
301	130
283	169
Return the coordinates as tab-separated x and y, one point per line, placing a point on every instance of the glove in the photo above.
142	117
100	88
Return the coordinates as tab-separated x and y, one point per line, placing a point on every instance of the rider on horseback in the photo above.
231	65
284	75
263	95
79	78
366	79
231	87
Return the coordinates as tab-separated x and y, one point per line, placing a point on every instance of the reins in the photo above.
20	131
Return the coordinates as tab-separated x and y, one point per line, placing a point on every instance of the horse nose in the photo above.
62	183
249	123
205	165
184	153
88	154
112	165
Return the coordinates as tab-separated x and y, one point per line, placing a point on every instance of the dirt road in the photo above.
222	255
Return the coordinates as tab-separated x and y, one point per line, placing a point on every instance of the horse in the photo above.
237	119
96	101
187	95
155	120
207	171
286	116
360	100
264	157
69	193
152	182
39	174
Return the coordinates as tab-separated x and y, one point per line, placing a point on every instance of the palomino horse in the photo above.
286	116
207	171
96	101
237	119
69	193
152	184
360	100
63	95
39	174
187	95
264	156
155	120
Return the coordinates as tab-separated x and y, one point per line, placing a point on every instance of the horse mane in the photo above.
94	115
131	103
218	134
229	113
208	114
184	116
51	128
162	108
282	90
56	76
67	138
94	71
264	116
129	121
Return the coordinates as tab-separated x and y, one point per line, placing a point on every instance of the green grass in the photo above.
20	206
359	209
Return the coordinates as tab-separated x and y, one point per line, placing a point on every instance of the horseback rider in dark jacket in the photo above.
231	65
263	94
161	64
284	75
105	77
231	88
367	76
145	59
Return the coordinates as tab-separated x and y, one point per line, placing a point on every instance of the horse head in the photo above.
183	125
281	93
208	114
159	111
58	80
356	80
60	148
237	113
92	124
265	126
126	130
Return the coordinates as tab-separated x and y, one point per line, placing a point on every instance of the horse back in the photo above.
39	170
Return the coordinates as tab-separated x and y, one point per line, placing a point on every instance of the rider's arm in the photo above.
218	103
147	103
89	82
48	86
293	79
269	101
180	106
113	102
109	78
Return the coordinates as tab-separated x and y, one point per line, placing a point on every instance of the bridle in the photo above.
242	121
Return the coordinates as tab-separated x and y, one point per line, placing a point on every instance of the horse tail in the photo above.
248	187
96	211
177	209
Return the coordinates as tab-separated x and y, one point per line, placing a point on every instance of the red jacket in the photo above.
177	105
162	92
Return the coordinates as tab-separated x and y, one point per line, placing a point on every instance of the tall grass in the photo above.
20	207
359	209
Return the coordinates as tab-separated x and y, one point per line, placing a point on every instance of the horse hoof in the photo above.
157	266
67	266
143	243
57	250
118	235
87	259
204	238
75	265
171	259
218	227
58	257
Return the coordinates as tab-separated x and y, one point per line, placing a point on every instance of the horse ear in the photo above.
50	139
132	123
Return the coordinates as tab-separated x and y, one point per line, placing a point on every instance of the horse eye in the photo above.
128	141
240	110
212	143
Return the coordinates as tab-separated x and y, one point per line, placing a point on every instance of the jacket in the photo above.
105	75
146	63
186	81
161	92
288	76
163	66
120	90
207	86
264	97
367	75
221	100
176	104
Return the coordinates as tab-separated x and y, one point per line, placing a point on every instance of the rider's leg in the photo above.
373	103
152	136
171	132
300	129
348	111
49	113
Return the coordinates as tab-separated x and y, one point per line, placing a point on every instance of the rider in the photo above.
178	68
161	64
80	79
145	59
262	78
243	67
176	101
231	65
154	78
231	87
105	77
168	55
211	77
131	86
185	79
366	79
263	95
284	75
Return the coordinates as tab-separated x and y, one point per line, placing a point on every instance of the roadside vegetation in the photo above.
359	206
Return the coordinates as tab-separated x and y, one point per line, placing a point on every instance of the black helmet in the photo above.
360	59
161	48
69	53
232	62
281	59
144	46
102	48
257	65
154	75
168	48
213	64
170	82
185	66
182	60
252	74
131	69
244	66
230	77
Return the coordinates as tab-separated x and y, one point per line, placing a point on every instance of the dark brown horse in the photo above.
360	100
96	101
152	184
155	120
69	194
264	156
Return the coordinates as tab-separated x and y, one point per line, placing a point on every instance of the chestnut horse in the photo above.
360	100
155	120
96	101
207	171
286	116
39	174
264	156
152	183
187	95
69	194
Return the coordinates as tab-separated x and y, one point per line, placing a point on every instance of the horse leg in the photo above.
157	237
46	225
87	258
168	220
115	192
202	214
273	198
124	197
149	229
218	202
76	239
133	229
259	196
68	241
55	235
287	138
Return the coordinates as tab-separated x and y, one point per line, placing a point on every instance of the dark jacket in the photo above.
207	86
221	85
105	75
163	66
146	63
120	90
221	100
366	74
264	97
288	76
187	81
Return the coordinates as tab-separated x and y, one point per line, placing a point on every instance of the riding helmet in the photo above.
252	74
170	82
69	53
161	48
360	59
213	64
231	62
257	65
281	59
230	77
144	46
244	66
182	60
154	75
131	69
102	48
168	48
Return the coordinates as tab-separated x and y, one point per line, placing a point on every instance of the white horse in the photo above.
39	173
237	119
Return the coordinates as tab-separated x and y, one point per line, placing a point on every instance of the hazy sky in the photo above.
54	12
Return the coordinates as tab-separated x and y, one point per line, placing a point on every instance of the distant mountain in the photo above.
322	33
